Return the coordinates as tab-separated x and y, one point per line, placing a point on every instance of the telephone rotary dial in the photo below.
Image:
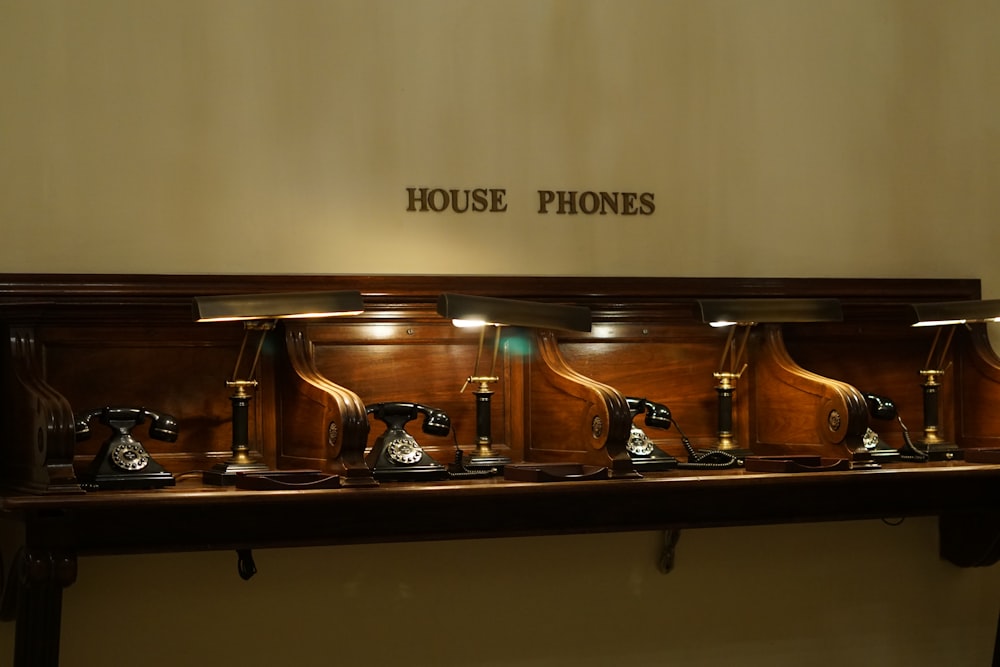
404	450
639	443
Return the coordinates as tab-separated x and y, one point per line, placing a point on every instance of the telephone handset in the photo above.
122	462
644	453
396	455
882	408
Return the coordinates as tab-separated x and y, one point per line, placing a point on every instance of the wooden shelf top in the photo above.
192	516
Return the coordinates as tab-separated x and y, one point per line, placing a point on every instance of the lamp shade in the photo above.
514	312
722	312
280	305
956	312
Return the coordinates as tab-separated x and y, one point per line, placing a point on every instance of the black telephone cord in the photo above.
712	458
910	452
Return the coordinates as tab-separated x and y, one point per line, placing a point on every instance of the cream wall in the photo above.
780	137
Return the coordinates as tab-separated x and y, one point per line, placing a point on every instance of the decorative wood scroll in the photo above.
38	428
798	411
320	421
572	417
977	417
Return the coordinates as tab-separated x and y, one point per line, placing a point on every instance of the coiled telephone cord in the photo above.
711	458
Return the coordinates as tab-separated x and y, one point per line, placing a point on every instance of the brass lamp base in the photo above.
939	450
485	458
936	448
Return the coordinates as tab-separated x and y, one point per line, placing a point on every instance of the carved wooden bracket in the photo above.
37	414
598	414
320	417
977	422
829	417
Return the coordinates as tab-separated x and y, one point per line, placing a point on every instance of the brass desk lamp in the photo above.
944	315
480	311
741	315
259	314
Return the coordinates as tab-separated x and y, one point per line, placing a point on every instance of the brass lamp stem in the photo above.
727	383
725	388
241	458
932	440
485	455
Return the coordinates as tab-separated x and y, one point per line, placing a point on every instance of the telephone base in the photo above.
876	451
880	454
127	481
654	463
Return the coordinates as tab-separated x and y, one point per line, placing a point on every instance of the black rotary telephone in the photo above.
122	462
644	453
396	455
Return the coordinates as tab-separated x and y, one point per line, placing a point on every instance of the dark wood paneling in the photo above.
113	339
